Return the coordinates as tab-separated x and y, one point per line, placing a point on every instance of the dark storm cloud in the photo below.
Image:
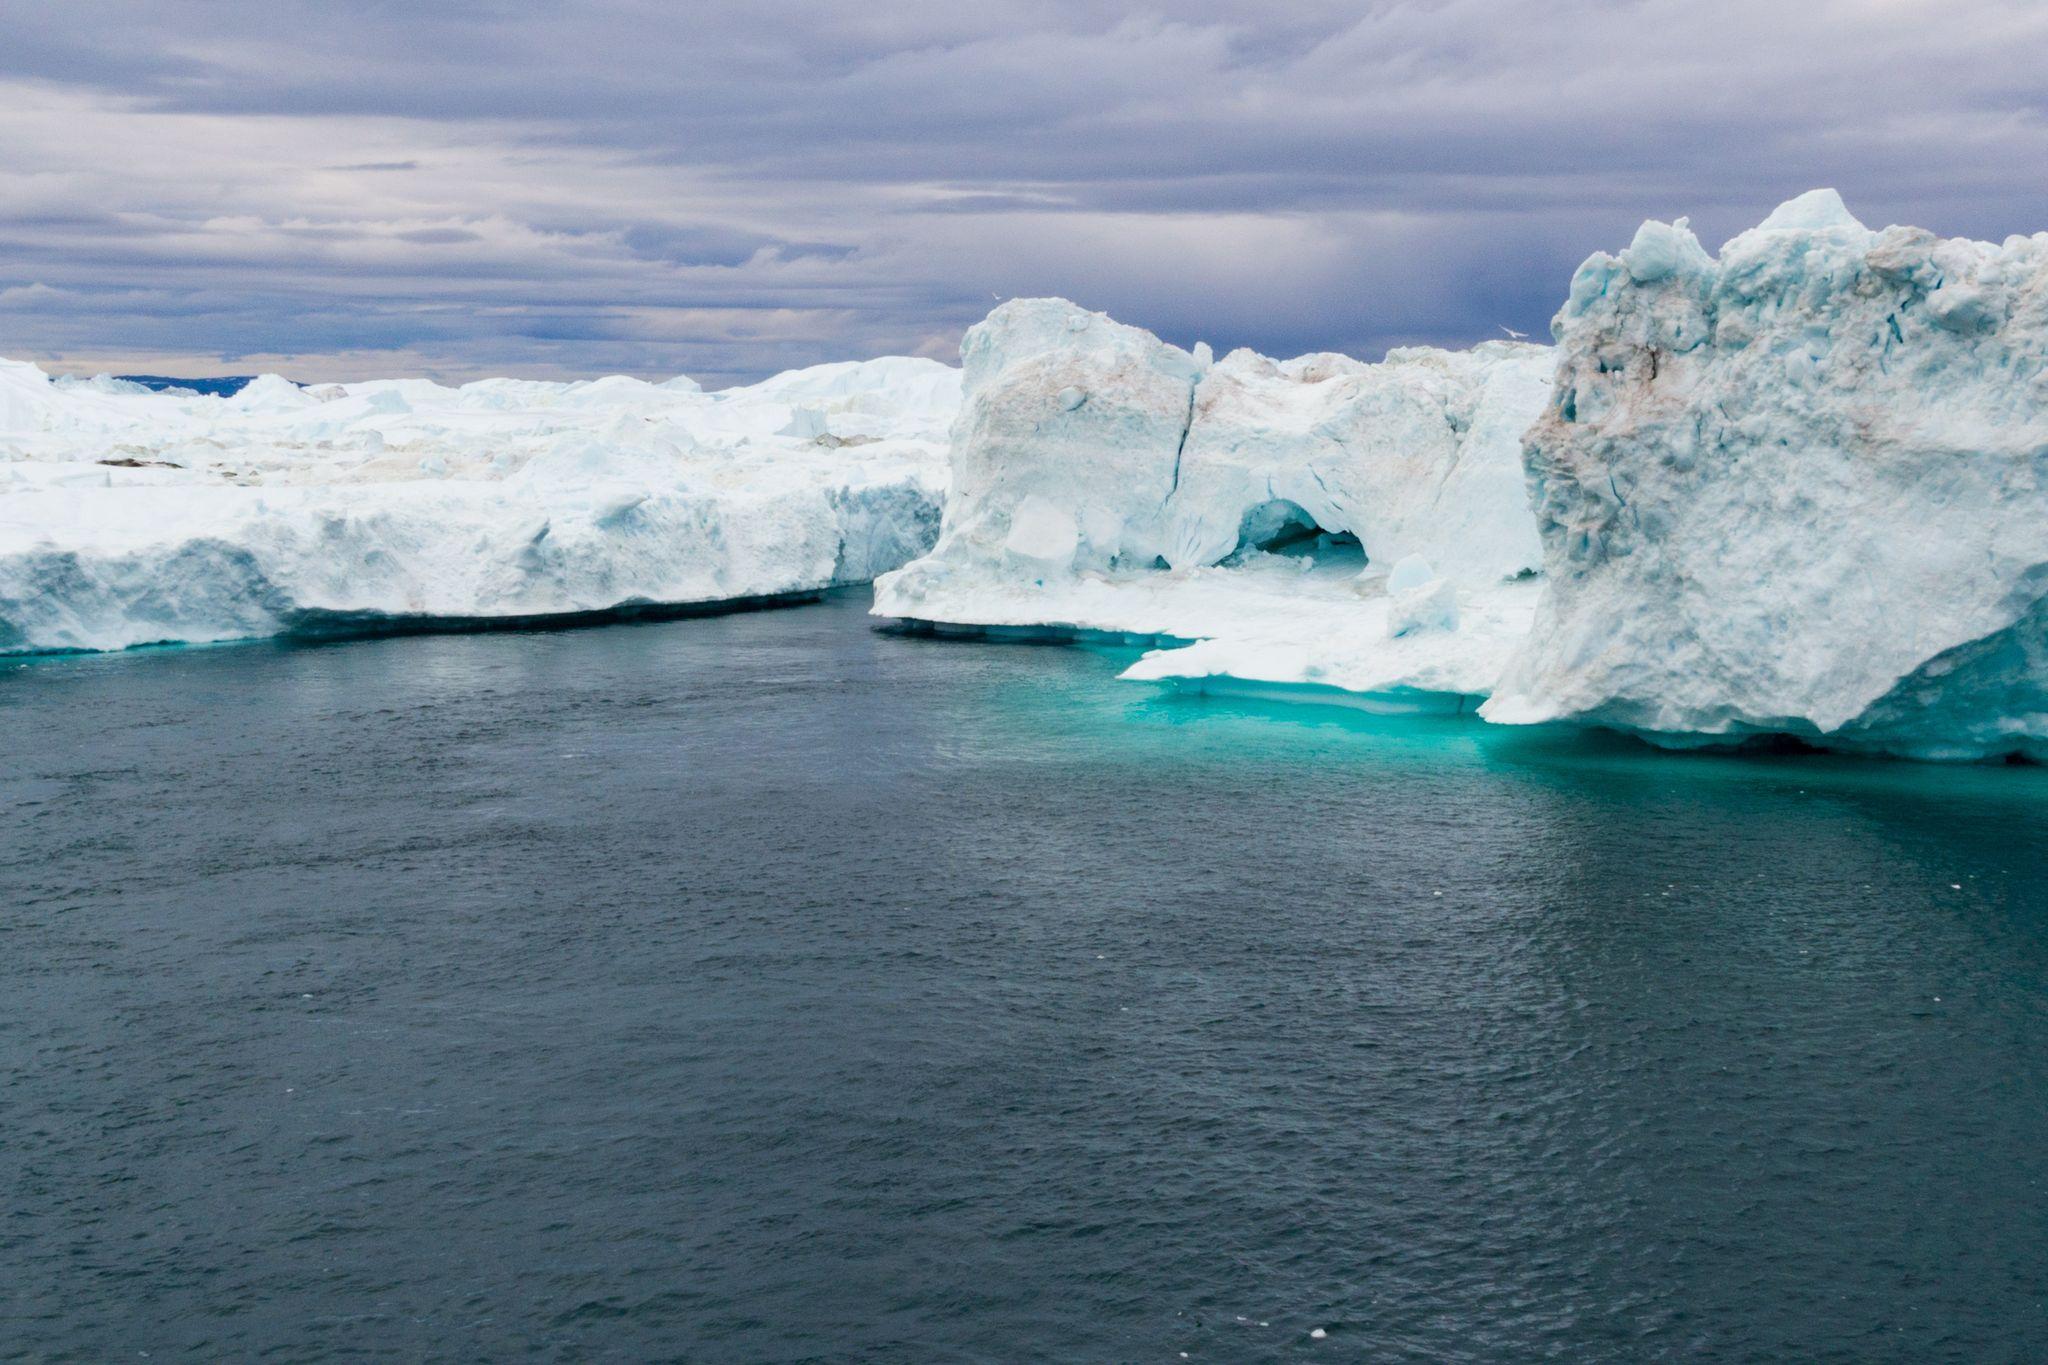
463	186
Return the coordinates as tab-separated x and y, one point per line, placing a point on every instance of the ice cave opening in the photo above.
1280	526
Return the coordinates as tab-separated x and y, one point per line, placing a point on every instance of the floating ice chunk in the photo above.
1420	601
1411	572
1434	606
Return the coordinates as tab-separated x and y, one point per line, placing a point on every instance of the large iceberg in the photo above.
129	517
1799	489
1105	481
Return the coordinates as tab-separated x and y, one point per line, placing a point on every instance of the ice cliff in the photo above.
129	517
1797	489
1107	481
1801	488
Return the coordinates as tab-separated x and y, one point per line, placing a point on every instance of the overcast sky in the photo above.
468	187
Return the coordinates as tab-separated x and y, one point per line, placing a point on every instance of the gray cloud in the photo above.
464	186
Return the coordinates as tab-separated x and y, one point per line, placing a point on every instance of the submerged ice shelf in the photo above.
129	517
1302	620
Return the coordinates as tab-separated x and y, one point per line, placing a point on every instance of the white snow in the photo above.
1798	489
128	517
1106	481
1321	636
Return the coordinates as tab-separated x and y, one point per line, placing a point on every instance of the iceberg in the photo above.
1244	512
1799	489
132	517
1796	489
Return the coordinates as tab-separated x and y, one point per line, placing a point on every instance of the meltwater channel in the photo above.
771	988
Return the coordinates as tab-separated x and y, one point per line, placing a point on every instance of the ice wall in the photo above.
1418	455
1801	488
1067	445
1087	447
130	517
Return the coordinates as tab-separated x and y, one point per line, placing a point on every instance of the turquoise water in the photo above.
771	988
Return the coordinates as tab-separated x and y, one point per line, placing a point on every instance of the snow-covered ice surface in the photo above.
1333	639
128	517
1799	489
1106	481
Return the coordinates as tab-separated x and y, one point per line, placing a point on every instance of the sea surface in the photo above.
770	988
219	387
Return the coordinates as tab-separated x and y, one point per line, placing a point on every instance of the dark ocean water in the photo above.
226	387
767	988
